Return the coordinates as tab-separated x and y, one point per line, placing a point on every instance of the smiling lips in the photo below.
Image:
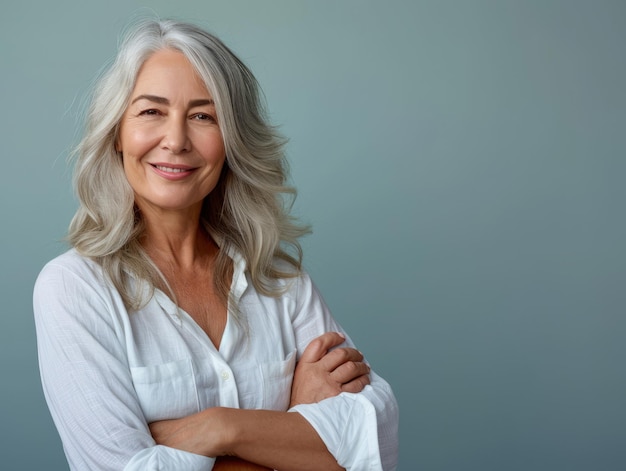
172	172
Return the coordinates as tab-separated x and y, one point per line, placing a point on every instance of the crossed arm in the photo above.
93	400
261	439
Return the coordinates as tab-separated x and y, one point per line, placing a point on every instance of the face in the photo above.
169	137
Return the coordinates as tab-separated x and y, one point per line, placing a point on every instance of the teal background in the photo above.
463	165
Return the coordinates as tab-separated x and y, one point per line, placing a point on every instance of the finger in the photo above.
356	385
319	346
333	359
349	371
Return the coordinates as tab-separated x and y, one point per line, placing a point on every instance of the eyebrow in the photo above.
164	101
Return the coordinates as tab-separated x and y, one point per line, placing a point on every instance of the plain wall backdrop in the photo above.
463	166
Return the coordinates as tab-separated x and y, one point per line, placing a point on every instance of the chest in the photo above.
197	297
177	372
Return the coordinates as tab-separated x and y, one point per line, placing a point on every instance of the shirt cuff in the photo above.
163	458
348	427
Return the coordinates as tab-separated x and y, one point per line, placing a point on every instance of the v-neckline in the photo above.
238	285
185	320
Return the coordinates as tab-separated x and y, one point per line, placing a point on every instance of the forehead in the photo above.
169	70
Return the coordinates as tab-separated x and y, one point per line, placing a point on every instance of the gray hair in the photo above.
247	211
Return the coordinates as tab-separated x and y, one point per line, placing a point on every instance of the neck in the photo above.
177	239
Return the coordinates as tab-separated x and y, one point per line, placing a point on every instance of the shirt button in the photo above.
225	375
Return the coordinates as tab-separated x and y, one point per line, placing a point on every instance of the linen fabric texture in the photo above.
107	373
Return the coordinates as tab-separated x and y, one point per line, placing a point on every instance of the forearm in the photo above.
280	440
232	463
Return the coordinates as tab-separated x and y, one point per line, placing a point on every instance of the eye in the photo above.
149	112
203	117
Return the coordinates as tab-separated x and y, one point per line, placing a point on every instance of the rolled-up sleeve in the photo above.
359	430
164	458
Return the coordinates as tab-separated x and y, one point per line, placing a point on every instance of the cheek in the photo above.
133	169
215	150
129	170
137	141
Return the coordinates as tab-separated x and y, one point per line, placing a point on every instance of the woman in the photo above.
168	336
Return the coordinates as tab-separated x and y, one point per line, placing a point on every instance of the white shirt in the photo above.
107	373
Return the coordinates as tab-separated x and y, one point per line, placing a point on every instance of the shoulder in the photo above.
71	259
71	262
286	278
72	291
291	279
68	271
295	284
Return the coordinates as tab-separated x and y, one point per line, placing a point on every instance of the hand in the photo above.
321	373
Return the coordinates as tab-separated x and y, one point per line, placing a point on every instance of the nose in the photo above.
176	137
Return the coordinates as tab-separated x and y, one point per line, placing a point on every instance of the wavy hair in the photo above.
249	209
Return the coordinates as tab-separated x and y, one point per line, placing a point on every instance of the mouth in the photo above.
163	168
172	172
